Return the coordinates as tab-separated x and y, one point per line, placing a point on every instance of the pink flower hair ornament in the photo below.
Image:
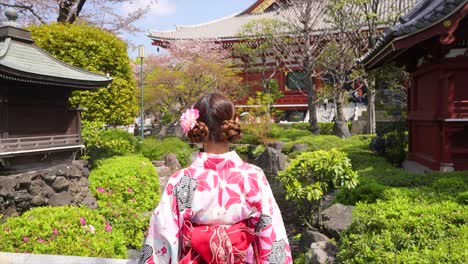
188	120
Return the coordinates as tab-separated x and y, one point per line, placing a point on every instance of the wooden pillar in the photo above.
3	112
446	163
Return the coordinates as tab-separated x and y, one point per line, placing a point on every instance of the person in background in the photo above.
220	209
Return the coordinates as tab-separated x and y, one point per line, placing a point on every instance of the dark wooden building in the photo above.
37	123
431	41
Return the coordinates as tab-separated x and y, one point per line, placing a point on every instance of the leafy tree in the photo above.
362	30
314	174
98	51
102	13
174	81
303	46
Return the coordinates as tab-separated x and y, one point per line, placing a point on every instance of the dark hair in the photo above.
217	120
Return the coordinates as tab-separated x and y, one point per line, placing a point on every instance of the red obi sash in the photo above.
215	244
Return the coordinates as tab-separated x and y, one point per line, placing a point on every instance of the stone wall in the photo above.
65	184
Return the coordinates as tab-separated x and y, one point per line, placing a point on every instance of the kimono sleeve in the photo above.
272	245
162	242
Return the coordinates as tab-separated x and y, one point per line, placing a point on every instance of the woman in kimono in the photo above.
220	209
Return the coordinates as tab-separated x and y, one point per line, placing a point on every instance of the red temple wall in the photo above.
438	101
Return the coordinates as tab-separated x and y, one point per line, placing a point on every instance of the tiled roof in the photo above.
21	60
229	27
424	15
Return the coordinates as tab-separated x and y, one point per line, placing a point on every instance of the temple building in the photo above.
226	31
37	123
431	41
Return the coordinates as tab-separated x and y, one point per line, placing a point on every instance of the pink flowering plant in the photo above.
188	120
77	231
131	187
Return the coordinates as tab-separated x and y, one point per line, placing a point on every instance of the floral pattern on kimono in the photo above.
218	191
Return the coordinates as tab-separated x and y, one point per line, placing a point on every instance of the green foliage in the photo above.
59	231
258	150
313	174
396	146
101	144
126	187
406	228
240	148
289	134
367	191
154	149
326	128
98	51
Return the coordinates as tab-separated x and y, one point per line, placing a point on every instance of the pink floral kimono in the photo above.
218	210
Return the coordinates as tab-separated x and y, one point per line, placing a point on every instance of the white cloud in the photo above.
156	7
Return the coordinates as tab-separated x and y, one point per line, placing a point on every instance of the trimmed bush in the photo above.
313	174
102	144
76	231
326	128
100	51
126	188
406	228
366	191
154	149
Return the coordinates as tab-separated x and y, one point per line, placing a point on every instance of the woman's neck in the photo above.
216	147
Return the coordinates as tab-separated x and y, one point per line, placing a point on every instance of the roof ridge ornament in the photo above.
12	15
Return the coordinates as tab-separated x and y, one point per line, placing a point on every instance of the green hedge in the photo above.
105	143
126	188
154	149
406	227
75	231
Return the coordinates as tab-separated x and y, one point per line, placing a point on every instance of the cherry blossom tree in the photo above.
175	80
106	14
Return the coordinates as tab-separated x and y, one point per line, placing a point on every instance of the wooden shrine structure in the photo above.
225	31
431	41
37	123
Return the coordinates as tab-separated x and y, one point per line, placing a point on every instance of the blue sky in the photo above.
167	13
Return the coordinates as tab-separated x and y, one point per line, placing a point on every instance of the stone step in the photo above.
19	258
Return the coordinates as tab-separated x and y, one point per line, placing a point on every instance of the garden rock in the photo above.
171	161
60	184
299	147
271	161
60	199
340	129
336	219
308	237
320	253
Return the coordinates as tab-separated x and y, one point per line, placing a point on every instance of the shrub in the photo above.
95	50
312	174
258	150
326	128
396	146
156	149
404	228
126	187
76	231
287	134
101	144
366	191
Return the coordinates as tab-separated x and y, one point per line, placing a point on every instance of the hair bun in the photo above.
199	133
230	130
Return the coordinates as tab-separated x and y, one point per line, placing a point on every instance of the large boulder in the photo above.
271	161
336	219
